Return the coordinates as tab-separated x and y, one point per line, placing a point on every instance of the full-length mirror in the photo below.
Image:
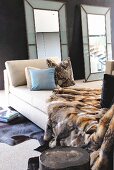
46	29
96	40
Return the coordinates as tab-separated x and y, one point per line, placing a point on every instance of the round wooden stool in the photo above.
67	158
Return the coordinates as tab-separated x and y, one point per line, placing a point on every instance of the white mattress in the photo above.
38	99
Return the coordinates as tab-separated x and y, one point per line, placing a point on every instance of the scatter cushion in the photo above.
28	77
63	72
107	97
42	79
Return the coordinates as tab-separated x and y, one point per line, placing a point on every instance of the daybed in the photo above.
32	104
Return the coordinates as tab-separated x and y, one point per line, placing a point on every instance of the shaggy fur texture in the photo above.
76	119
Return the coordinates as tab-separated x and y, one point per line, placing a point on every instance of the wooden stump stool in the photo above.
67	158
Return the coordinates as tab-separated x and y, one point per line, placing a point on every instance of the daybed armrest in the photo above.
6	82
109	67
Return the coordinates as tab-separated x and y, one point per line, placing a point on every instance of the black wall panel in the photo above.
13	43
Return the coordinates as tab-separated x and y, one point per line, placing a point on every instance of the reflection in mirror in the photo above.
97	40
47	33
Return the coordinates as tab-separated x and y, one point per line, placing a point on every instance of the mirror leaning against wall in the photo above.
97	45
46	29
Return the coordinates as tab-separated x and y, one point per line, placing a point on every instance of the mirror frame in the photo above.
30	5
88	9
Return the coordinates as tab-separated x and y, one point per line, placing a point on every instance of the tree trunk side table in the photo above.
67	158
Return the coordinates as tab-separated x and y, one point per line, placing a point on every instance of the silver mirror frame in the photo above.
30	5
87	9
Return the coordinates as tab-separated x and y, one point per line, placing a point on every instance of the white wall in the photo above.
48	45
46	21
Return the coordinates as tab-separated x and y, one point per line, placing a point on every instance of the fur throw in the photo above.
76	119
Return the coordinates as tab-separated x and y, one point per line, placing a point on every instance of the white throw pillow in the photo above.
28	77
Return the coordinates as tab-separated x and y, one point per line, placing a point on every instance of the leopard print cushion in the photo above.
64	73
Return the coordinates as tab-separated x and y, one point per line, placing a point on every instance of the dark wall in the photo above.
13	42
12	33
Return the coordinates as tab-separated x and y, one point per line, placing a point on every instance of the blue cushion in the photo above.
42	79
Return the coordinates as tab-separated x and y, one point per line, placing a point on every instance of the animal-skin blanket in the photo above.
76	119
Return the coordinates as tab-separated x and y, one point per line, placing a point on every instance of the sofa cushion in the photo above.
16	69
42	79
64	74
37	99
113	72
28	77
